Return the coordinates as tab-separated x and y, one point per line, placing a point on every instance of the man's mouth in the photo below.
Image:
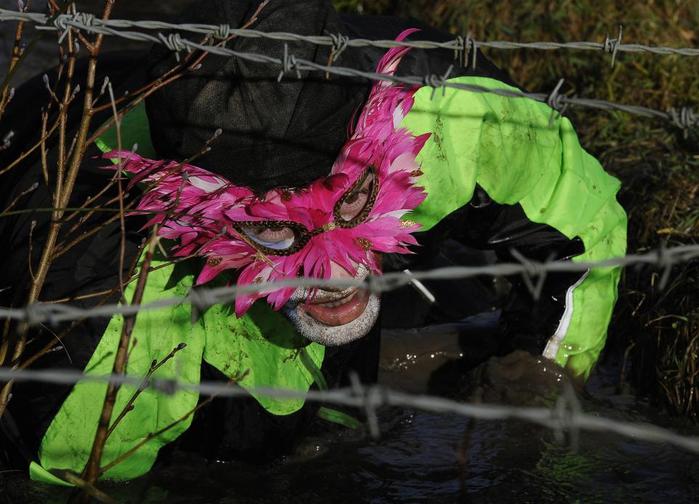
336	308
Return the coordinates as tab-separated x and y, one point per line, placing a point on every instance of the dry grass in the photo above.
657	330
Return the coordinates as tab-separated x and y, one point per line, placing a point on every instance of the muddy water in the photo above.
420	456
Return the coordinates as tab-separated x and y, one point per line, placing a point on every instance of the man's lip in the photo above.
322	296
334	310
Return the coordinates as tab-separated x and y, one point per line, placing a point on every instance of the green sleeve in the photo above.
236	346
521	152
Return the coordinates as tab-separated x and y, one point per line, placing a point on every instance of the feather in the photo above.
198	210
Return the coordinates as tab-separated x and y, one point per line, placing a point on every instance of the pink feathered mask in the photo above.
343	218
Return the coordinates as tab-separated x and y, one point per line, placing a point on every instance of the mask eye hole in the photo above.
355	204
275	238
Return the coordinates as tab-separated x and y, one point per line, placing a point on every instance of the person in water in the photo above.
319	176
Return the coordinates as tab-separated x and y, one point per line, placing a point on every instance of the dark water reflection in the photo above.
417	456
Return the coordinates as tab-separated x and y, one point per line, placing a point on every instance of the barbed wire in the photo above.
682	117
461	45
534	272
565	416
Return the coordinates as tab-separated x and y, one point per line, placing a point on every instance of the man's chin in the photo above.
335	323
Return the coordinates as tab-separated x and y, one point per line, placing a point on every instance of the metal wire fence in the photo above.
682	117
565	416
534	273
338	42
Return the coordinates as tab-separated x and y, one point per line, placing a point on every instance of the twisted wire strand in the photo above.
62	21
201	298
682	117
566	415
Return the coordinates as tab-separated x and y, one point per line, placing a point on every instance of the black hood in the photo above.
274	133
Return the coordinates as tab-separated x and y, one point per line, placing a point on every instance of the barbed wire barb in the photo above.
612	45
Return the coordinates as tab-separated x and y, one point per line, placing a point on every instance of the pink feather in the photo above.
198	209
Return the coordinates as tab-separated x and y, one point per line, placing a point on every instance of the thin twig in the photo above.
29	151
62	196
61	249
21	195
44	160
90	295
90	211
154	435
161	431
92	469
106	293
84	486
120	188
89	201
155	365
97	209
17	51
63	124
30	248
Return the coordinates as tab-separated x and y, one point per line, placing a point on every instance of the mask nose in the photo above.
339	273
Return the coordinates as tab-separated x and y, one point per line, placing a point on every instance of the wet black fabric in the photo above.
274	133
240	427
503	231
